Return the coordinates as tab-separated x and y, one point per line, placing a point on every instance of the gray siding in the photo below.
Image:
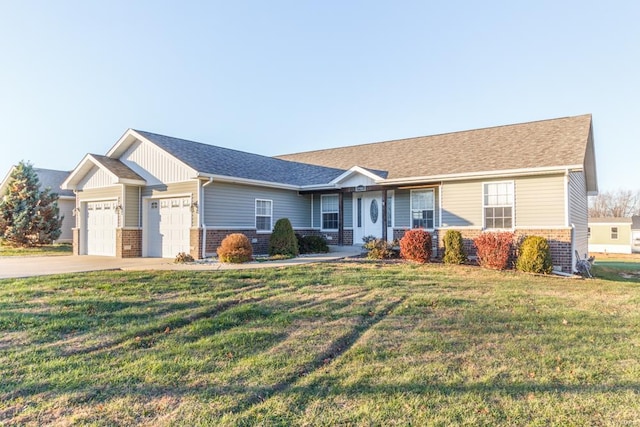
402	209
348	210
114	192
578	211
233	205
540	201
131	206
462	204
69	222
316	211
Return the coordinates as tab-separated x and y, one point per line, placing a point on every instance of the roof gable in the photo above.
556	143
112	171
218	161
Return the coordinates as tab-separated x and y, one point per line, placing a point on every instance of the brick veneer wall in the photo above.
76	241
261	243
128	242
195	243
559	243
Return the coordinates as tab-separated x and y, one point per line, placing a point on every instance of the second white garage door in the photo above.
102	220
168	227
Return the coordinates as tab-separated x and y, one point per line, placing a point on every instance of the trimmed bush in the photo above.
283	240
415	245
534	255
378	248
235	248
494	249
454	252
312	244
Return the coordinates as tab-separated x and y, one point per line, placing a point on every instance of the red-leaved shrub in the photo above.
494	249
415	245
235	248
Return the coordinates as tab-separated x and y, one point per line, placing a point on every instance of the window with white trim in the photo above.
422	208
264	215
614	233
329	211
498	204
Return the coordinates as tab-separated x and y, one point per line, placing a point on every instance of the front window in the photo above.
329	209
422	205
614	233
264	214
498	205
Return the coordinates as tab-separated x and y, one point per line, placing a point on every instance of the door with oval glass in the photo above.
367	215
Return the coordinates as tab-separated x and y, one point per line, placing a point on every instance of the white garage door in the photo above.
168	227
102	221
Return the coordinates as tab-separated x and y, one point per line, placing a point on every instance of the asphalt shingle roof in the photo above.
547	143
210	159
53	179
117	167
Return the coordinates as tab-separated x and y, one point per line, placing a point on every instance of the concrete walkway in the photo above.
15	267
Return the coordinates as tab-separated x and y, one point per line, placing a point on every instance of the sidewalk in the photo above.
15	267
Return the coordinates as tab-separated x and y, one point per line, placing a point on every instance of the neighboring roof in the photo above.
610	220
213	160
556	143
49	178
635	222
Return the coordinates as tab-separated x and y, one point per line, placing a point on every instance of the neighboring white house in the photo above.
614	235
154	195
50	178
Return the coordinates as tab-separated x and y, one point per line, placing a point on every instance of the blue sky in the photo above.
274	77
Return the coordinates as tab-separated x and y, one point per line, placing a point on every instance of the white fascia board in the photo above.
77	173
356	170
131	181
246	181
483	174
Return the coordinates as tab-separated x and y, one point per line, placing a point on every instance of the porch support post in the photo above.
384	215
340	219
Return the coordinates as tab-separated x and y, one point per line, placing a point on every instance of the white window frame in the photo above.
614	234
264	215
323	211
507	204
433	208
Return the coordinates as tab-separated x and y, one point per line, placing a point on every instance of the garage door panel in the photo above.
101	220
168	227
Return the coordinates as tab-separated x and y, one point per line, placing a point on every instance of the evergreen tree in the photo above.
28	216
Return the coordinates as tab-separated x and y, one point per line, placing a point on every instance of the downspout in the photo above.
201	214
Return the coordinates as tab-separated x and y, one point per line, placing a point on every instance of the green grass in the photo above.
329	344
46	250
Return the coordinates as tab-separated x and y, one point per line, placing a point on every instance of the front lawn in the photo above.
45	250
357	343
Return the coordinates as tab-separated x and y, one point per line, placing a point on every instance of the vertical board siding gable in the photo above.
155	165
95	178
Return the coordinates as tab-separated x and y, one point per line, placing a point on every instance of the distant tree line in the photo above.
618	204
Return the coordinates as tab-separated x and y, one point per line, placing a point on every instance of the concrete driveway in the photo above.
15	267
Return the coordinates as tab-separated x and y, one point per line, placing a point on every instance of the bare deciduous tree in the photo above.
619	203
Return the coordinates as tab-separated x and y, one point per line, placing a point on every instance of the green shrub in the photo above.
454	252
534	255
415	245
312	244
283	240
235	248
494	249
378	248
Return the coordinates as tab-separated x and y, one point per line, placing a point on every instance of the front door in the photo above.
367	215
